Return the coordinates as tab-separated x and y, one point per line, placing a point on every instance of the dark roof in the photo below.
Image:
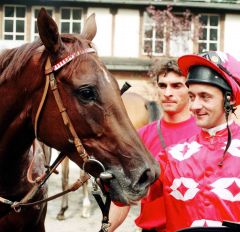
127	64
214	5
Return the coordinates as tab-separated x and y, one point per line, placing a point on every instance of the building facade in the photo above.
125	30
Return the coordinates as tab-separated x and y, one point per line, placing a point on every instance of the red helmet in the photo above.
223	63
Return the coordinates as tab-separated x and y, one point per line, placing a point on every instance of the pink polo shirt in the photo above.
152	211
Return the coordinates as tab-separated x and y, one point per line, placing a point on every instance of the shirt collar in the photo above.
214	130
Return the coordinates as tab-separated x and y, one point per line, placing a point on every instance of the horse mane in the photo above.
13	60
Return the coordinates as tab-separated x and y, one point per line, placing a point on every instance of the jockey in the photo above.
200	178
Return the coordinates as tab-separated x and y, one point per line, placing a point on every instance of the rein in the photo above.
39	182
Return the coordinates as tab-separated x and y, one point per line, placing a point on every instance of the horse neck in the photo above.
16	129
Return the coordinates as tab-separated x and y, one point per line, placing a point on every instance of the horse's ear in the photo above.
48	32
90	28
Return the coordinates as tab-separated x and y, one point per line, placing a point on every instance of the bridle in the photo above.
102	175
51	81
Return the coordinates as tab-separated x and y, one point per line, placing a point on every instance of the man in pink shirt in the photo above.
176	124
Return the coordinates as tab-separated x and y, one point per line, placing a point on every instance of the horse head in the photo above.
91	98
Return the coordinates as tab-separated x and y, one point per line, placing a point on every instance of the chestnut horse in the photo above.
141	111
58	90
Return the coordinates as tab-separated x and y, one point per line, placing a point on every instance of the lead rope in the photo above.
104	206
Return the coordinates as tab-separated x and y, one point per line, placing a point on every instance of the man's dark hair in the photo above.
164	66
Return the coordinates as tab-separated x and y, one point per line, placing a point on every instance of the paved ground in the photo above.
74	222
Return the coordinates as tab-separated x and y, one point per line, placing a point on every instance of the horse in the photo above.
141	111
57	89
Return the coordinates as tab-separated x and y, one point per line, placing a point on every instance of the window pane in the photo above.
147	46
8	37
202	47
204	19
36	12
147	19
148	32
159	47
20	37
35	27
9	11
20	12
65	13
76	28
213	34
213	47
203	34
77	14
19	26
8	26
65	28
159	33
214	20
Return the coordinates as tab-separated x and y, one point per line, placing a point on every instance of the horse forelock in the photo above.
13	60
74	43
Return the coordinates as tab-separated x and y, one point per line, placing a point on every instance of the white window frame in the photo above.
153	39
33	20
14	18
208	27
71	20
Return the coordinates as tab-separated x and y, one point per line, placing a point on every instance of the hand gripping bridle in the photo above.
39	182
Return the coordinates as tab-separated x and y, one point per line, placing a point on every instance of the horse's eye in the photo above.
86	94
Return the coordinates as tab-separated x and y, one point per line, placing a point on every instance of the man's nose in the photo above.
168	91
195	104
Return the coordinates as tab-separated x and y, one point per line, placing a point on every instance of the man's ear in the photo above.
232	99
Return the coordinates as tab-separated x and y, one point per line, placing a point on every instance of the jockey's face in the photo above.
173	93
206	104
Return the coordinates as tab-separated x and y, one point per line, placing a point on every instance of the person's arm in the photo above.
117	216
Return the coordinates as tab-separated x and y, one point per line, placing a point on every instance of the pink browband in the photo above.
68	59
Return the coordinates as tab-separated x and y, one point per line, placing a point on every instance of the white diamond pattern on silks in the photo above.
189	184
206	223
184	151
220	188
234	148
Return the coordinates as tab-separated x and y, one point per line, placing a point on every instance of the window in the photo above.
71	20
36	10
14	22
209	38
170	34
153	39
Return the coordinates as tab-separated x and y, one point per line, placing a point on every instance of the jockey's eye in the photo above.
86	94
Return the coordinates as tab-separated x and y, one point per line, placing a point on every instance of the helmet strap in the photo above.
228	108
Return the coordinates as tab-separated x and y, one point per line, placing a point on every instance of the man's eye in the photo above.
177	86
191	97
161	86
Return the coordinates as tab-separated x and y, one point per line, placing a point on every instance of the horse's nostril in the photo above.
145	178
